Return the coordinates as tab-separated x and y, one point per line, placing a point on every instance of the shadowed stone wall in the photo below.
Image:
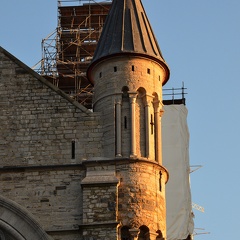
44	137
39	122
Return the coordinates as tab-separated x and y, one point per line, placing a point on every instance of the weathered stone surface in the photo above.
59	160
37	128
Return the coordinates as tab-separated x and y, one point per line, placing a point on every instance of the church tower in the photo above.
128	72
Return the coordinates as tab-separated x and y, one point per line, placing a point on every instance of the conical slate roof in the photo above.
127	31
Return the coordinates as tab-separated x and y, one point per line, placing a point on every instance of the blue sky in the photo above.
200	42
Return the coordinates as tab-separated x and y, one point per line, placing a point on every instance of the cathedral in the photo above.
68	172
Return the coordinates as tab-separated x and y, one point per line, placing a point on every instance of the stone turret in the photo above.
128	67
128	72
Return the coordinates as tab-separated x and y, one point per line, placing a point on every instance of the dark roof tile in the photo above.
127	31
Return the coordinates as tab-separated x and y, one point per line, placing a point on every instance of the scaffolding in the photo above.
68	51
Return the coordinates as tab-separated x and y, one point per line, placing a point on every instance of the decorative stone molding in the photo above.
18	223
101	177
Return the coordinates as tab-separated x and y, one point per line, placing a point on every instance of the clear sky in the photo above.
200	40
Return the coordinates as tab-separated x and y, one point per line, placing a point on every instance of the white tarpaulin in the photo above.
175	141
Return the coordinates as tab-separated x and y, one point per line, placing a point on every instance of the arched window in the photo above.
159	236
144	233
125	99
125	234
126	121
125	90
13	217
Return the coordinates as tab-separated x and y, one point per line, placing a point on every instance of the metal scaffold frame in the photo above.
67	52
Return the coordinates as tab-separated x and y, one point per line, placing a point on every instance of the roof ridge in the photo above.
44	81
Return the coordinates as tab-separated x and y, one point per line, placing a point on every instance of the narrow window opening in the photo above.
152	124
159	79
125	234
100	74
148	71
159	236
125	96
160	181
73	149
133	68
115	69
144	233
125	122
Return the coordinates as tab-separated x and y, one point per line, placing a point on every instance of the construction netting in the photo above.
175	141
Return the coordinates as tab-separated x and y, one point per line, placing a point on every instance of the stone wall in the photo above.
53	161
52	195
44	137
39	123
142	194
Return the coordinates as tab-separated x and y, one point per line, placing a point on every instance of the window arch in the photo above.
125	90
18	223
125	234
144	233
159	236
125	99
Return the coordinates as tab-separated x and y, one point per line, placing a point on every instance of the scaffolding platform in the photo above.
68	51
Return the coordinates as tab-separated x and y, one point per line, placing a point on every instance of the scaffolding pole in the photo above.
68	51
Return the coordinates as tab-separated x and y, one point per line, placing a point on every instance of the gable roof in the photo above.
28	70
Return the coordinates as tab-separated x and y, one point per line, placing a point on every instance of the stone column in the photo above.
147	124
159	236
134	233
153	236
132	97
118	128
157	130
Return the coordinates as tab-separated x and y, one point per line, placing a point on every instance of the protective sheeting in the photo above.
175	141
